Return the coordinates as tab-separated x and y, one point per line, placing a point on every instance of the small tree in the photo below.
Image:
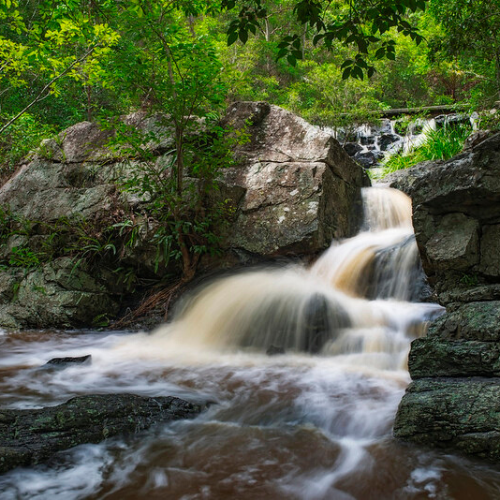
183	84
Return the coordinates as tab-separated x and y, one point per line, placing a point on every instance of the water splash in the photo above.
294	426
322	309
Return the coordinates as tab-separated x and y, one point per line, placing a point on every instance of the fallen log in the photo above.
431	110
28	437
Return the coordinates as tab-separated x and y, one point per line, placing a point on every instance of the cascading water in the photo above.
312	423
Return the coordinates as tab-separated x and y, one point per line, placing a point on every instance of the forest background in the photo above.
67	61
335	63
83	60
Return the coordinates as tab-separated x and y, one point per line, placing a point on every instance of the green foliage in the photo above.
44	44
62	62
23	257
470	40
469	280
439	144
22	137
187	223
361	24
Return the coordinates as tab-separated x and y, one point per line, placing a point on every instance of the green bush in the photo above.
23	136
440	144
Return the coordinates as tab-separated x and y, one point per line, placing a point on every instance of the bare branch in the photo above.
40	96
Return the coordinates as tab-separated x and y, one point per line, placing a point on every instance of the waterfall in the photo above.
313	423
352	300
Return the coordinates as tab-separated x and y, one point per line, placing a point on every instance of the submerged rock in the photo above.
273	350
30	436
65	362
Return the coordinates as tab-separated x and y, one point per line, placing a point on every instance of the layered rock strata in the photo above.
453	401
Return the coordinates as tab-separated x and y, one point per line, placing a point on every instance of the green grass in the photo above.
440	144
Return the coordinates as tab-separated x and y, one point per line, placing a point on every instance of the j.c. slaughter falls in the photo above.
290	375
313	422
250	250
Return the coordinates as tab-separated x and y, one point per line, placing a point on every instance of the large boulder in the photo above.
452	413
59	294
456	215
301	188
291	191
456	368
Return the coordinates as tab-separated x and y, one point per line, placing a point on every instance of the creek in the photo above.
311	422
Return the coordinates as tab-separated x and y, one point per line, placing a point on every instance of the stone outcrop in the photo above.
457	413
30	436
292	190
453	402
301	188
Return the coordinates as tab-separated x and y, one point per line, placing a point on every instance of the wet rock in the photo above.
472	292
352	148
273	350
368	159
452	121
322	323
461	415
65	362
366	140
386	140
31	436
469	321
453	402
433	357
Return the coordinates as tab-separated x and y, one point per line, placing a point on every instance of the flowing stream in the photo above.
311	422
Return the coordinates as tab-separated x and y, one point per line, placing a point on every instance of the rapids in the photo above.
311	423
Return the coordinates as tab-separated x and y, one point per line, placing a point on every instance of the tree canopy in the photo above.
61	62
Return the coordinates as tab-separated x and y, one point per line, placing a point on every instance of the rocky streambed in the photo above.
293	190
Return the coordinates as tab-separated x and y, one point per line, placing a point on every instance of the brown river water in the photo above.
314	423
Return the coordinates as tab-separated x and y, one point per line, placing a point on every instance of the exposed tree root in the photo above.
150	302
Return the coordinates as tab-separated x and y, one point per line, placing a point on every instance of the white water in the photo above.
313	423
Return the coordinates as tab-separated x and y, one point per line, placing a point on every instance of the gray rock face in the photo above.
301	189
454	244
404	180
369	158
293	190
457	215
31	436
457	413
56	294
454	402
